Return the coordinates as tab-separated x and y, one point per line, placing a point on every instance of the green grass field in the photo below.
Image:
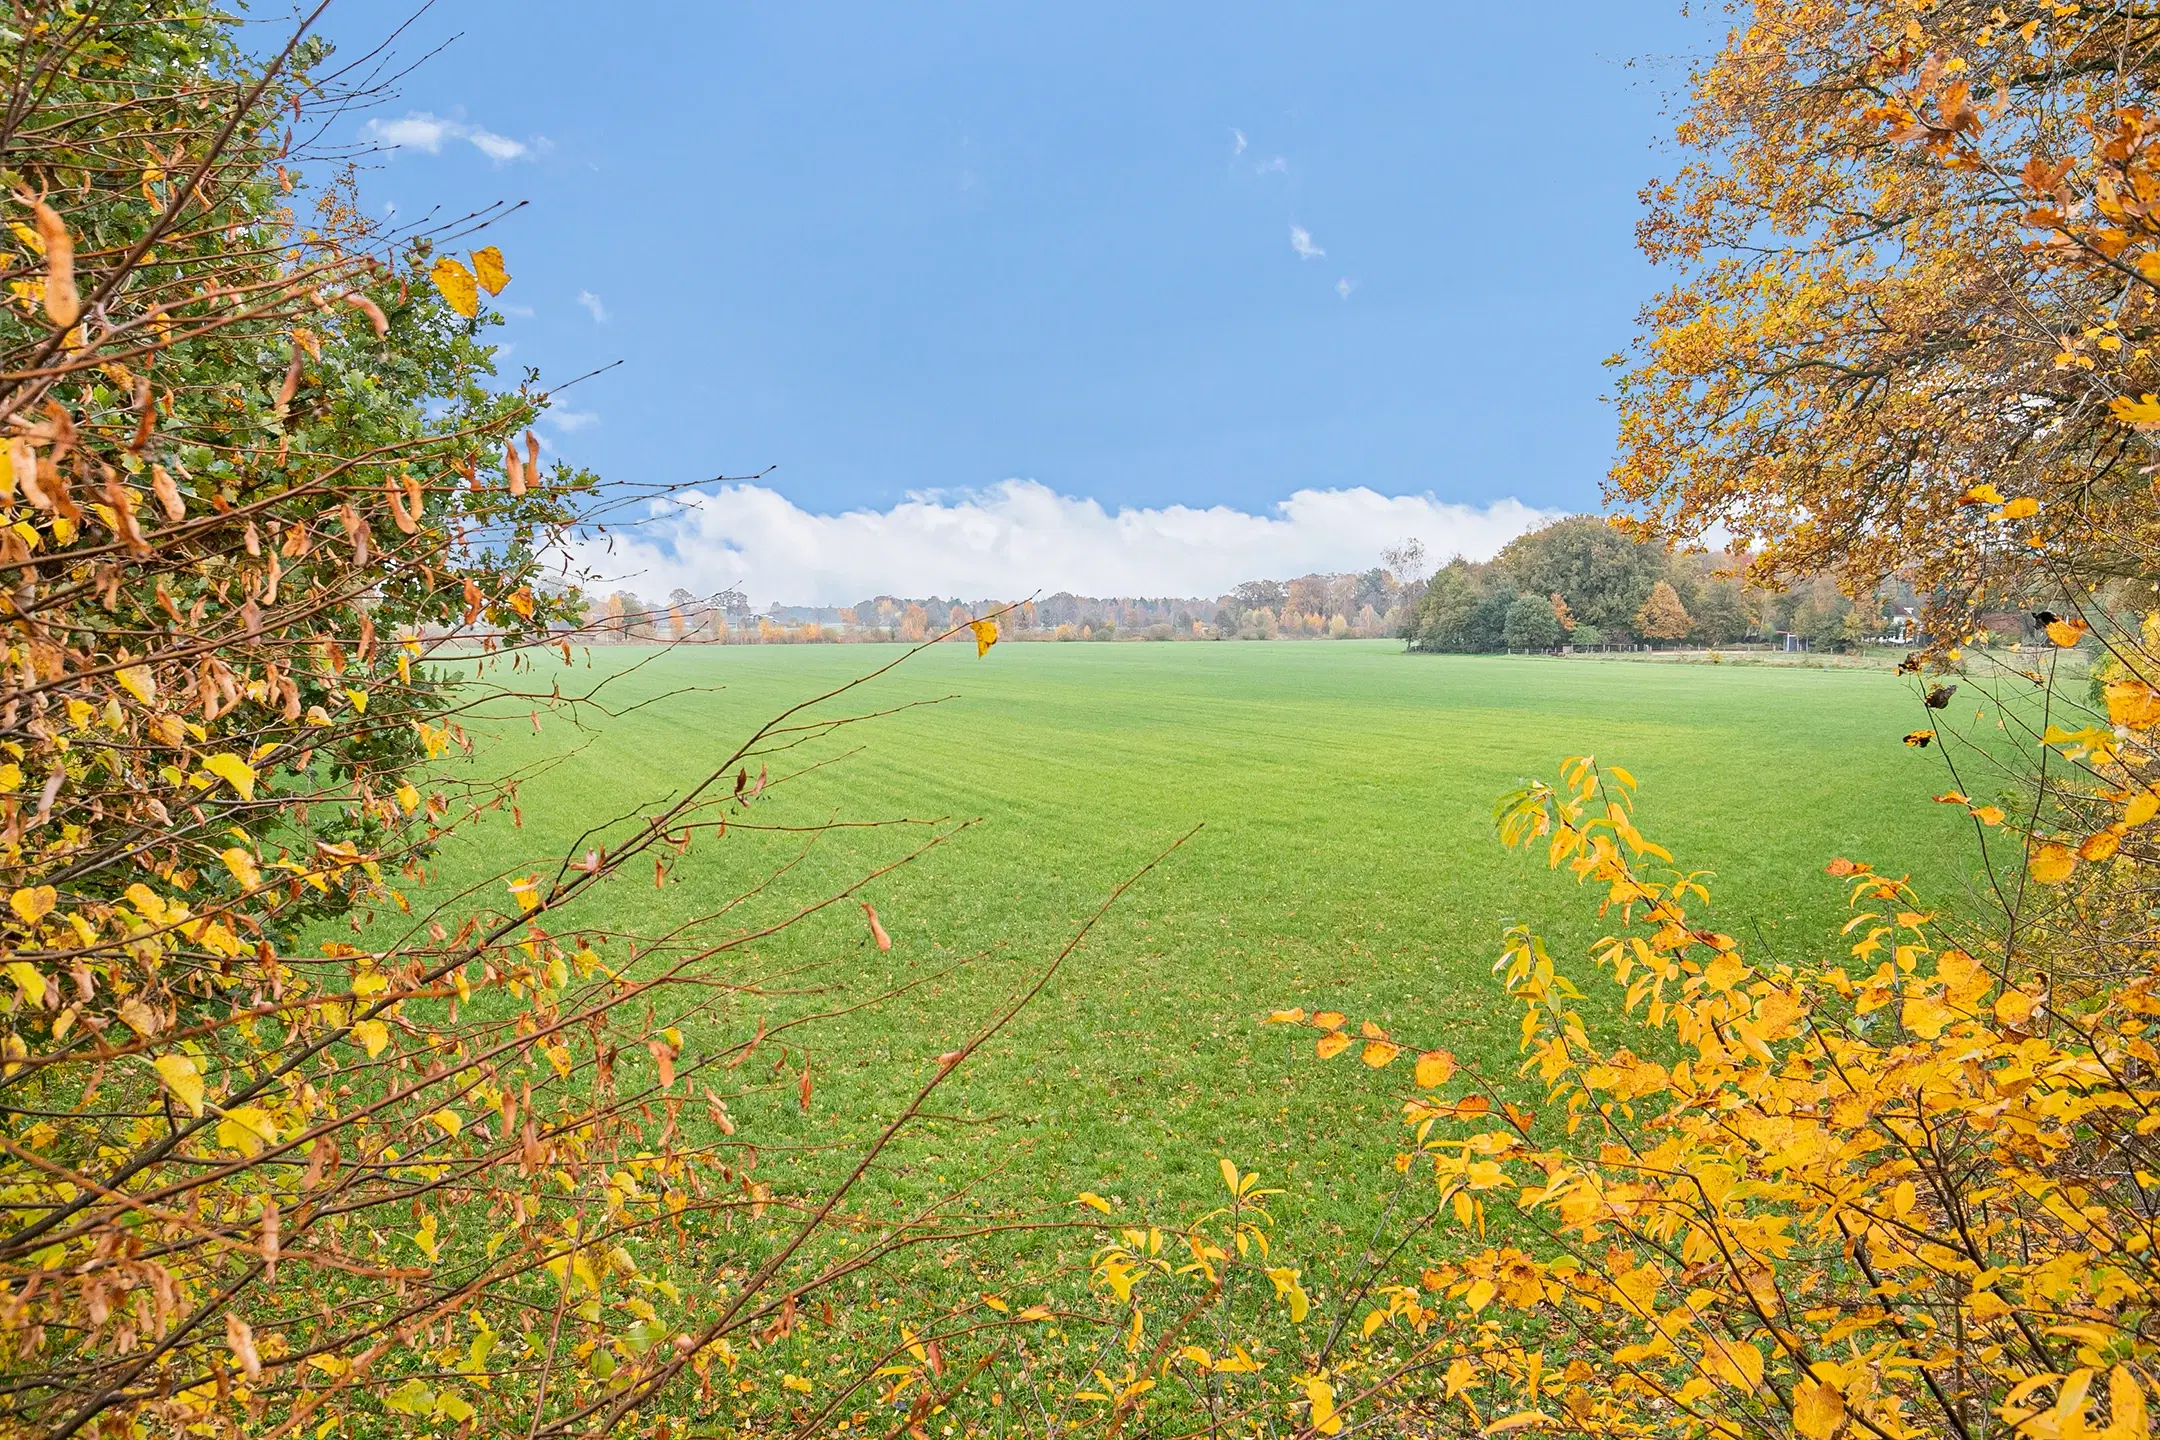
1347	861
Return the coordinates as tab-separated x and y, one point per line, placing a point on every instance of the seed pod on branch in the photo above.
398	512
373	312
291	387
356	531
146	415
168	494
63	303
23	473
120	501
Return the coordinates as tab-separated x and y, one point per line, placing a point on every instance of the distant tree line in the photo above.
1577	582
1364	605
1581	583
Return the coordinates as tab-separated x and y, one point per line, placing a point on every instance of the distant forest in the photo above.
1576	583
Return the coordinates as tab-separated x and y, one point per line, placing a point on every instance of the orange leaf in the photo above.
1435	1067
1378	1053
2099	846
1331	1044
1327	1020
877	931
2067	632
2051	863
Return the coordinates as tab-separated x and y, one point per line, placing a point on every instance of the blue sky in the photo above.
1150	261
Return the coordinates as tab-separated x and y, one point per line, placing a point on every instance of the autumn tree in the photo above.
1662	617
1915	277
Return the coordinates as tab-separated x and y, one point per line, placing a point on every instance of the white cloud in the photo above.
1275	166
1344	286
423	131
1301	241
521	312
572	421
1019	537
1237	140
592	303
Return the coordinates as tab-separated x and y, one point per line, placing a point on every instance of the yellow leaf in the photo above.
247	1129
2052	863
2133	703
1983	495
1229	1175
408	798
1378	1053
487	264
242	866
1522	1420
1736	1362
27	980
1321	1396
373	1035
1285	1017
233	771
448	1122
2126	1406
527	890
2142	807
2020	508
2099	846
1094	1202
137	681
986	635
1288	1289
1480	1294
2015	1007
1925	1016
2145	411
33	903
183	1079
1327	1020
457	286
1331	1044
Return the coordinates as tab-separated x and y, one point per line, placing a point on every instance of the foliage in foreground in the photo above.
270	535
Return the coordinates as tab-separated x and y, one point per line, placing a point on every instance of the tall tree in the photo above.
1604	575
1917	278
1531	624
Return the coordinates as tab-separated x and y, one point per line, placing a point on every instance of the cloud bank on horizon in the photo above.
1019	537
